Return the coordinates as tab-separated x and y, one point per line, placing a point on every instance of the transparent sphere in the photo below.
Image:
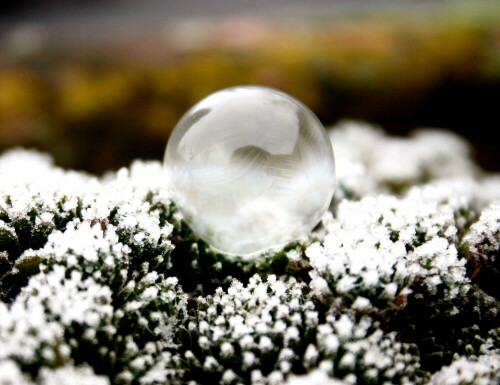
251	169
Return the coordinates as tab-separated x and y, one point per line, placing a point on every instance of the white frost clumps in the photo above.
134	201
357	351
38	199
482	245
79	375
315	377
377	247
369	161
102	246
66	310
86	248
269	324
87	242
76	375
11	374
483	237
264	321
483	371
32	184
33	329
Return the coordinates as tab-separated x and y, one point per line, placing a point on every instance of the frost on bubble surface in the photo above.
251	169
103	282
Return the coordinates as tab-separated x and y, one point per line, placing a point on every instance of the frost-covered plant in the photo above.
118	241
262	332
250	332
70	316
36	199
397	260
34	329
376	251
370	161
359	352
102	282
482	371
483	245
78	375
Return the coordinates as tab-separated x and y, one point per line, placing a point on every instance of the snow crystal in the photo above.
204	342
310	355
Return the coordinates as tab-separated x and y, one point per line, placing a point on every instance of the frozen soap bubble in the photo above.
250	168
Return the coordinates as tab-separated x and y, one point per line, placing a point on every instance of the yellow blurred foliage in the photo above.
360	68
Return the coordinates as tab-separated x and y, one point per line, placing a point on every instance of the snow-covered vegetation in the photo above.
102	282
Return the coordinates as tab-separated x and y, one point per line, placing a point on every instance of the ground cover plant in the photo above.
101	281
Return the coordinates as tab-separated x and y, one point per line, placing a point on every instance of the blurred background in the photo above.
99	83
